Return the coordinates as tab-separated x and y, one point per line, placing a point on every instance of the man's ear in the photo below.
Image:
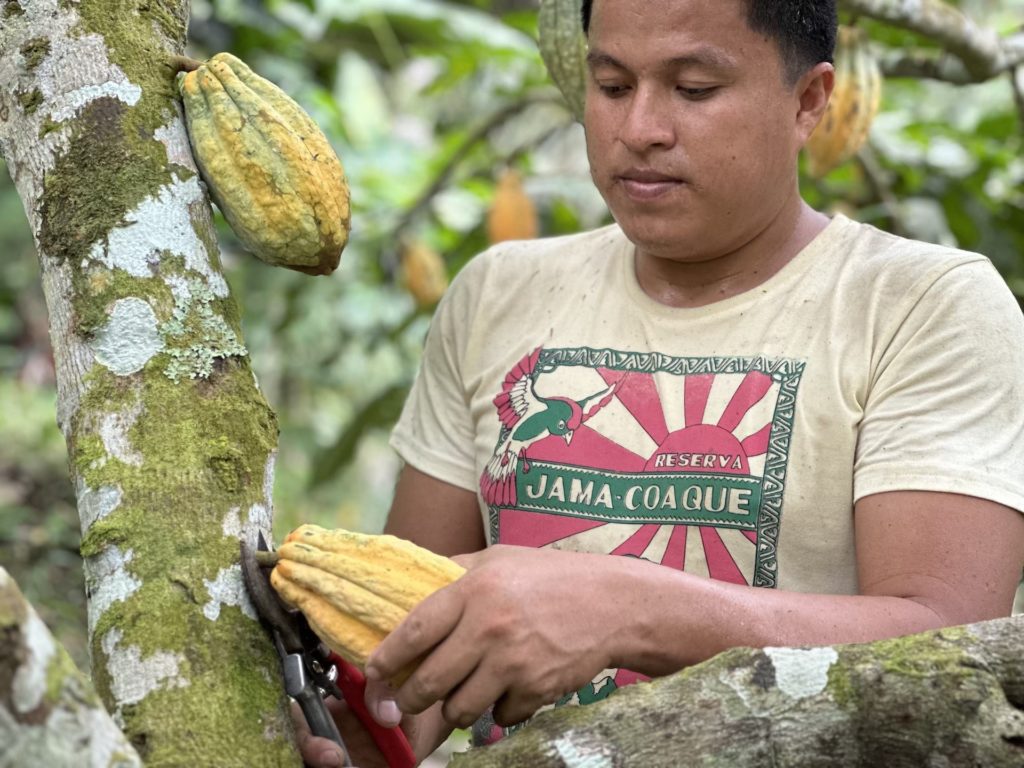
813	90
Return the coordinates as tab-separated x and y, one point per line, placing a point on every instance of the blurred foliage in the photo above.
427	102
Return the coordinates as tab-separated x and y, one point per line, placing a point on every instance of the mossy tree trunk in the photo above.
952	697
171	444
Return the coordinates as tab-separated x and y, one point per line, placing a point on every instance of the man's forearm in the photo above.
677	619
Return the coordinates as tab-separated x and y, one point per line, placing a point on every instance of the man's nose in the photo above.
649	122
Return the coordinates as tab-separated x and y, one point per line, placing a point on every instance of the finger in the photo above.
316	751
477	693
511	708
440	673
380	701
426	625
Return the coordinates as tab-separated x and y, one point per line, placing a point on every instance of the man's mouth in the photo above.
647	184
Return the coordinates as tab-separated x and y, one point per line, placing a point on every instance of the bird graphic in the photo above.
526	417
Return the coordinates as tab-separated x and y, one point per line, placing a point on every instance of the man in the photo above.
724	384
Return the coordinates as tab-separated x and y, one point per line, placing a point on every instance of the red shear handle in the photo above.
391	742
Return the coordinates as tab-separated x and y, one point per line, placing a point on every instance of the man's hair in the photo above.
804	30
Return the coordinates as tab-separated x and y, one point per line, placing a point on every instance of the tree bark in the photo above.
171	444
952	697
49	712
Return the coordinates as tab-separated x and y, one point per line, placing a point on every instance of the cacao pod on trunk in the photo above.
855	101
268	166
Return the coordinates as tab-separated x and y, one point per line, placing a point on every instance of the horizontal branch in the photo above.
952	697
982	51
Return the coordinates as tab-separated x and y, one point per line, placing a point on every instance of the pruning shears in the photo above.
312	671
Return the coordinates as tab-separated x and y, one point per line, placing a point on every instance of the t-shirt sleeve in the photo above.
434	434
946	407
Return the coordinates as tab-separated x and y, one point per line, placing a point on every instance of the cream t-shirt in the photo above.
730	440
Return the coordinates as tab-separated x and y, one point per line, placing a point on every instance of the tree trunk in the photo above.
952	697
171	444
49	712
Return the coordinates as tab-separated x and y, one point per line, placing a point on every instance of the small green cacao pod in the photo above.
268	166
563	46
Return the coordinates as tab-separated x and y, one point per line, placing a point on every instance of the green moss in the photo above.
30	100
12	8
59	674
34	51
49	126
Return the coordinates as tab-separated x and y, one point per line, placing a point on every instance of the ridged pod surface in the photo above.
563	46
854	105
513	215
268	166
355	588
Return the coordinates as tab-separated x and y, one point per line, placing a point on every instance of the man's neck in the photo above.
687	284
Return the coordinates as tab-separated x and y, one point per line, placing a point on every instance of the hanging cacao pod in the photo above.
853	107
424	273
563	47
512	215
268	166
354	588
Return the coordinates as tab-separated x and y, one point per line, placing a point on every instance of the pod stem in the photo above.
183	63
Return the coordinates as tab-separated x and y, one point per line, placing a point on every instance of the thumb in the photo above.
380	701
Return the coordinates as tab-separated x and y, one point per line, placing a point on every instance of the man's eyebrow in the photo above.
705	56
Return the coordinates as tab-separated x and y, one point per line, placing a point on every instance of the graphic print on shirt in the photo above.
681	461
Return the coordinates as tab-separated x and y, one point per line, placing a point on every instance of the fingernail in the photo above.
388	712
331	759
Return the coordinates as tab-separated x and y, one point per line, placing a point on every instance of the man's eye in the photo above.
696	94
612	90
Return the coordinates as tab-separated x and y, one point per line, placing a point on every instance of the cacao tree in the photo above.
172	446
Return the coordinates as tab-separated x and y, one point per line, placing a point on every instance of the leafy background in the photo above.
427	102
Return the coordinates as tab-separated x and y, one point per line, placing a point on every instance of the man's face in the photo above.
691	125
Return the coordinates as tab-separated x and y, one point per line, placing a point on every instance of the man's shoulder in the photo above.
547	257
900	267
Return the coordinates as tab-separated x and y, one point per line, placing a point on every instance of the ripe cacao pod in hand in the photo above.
355	588
854	105
268	166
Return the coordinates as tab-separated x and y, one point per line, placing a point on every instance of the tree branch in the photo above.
49	711
982	51
952	696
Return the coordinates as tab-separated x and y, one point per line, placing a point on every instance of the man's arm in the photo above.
525	626
440	517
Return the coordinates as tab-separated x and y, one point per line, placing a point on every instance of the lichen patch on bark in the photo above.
129	339
29	683
134	677
227	589
109	581
802	672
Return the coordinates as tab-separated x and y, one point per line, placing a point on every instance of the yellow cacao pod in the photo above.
424	273
355	588
512	215
563	47
853	107
268	166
